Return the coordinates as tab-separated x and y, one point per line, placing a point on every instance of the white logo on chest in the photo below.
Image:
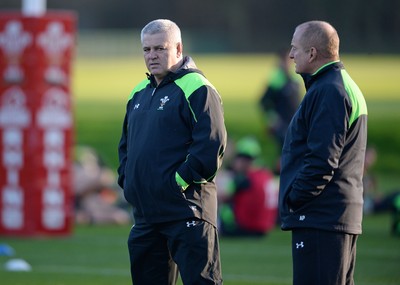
162	102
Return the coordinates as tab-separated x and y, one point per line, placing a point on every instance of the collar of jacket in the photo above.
310	78
187	66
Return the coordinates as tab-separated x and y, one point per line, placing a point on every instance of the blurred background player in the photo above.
375	201
281	98
96	194
249	193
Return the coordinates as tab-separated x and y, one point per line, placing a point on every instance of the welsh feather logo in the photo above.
162	102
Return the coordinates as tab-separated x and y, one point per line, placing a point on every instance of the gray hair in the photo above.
163	26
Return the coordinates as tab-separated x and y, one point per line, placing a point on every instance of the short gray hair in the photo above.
163	26
323	36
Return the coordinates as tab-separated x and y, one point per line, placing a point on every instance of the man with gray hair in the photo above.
321	190
172	144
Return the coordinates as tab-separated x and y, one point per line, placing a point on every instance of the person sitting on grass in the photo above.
249	207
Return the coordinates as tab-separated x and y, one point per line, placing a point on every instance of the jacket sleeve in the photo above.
326	119
122	154
208	138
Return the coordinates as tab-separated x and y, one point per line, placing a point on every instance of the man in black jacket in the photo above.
281	98
171	147
321	192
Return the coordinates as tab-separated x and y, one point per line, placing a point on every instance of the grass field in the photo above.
98	255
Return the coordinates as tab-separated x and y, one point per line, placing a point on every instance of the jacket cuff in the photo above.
180	181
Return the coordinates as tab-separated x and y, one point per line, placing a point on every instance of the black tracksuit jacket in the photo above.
323	155
176	127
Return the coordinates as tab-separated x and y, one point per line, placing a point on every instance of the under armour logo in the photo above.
190	224
298	245
302	218
136	106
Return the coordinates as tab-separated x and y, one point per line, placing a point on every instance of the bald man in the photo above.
323	154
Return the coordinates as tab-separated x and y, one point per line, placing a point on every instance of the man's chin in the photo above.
155	71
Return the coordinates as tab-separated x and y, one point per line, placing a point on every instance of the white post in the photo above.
34	8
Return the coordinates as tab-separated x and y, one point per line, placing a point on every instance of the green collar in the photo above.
329	63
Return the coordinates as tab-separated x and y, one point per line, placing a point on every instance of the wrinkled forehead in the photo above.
155	39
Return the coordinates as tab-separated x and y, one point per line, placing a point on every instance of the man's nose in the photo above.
152	54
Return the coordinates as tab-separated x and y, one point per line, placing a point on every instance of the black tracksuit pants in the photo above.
157	251
323	257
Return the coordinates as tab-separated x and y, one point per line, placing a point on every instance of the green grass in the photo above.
98	255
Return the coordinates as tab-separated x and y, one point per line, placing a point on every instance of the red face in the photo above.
160	54
300	54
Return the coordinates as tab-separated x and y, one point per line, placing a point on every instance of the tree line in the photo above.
366	26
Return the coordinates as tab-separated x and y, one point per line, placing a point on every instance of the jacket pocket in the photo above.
176	189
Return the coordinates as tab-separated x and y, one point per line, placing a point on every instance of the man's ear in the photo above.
179	50
313	54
